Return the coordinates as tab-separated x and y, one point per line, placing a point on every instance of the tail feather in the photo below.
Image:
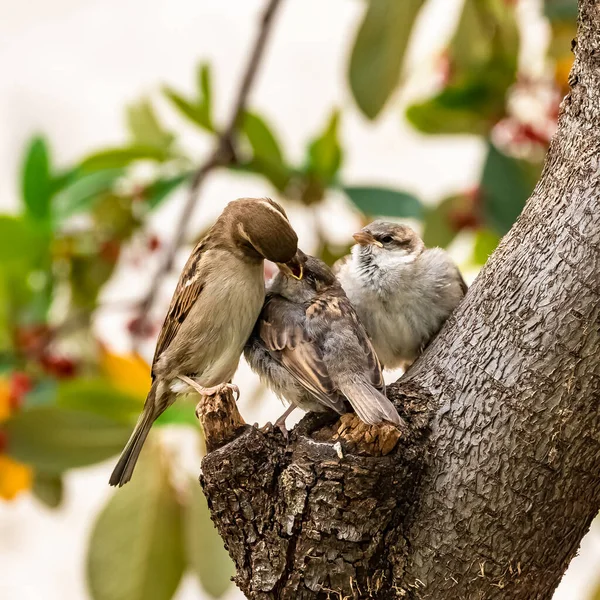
124	468
370	405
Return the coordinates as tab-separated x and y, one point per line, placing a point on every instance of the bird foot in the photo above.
211	391
268	427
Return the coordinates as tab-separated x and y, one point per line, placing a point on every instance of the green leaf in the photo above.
48	489
20	241
99	397
377	201
206	554
482	56
158	191
325	153
118	158
53	440
485	243
438	229
83	192
261	138
378	52
561	10
198	111
181	412
267	157
136	550
505	189
205	93
145	128
37	180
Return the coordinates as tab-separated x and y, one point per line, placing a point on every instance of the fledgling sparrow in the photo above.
217	300
310	348
402	291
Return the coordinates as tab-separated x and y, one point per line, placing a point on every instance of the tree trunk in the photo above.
499	479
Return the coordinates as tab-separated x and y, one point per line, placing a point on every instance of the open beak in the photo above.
365	239
292	268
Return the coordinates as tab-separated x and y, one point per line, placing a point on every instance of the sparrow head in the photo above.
260	228
388	243
315	278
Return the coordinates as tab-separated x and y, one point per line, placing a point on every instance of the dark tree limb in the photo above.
490	493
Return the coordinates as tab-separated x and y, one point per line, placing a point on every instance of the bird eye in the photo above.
386	239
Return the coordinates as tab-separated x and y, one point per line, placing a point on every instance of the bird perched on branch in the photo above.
402	292
218	298
311	349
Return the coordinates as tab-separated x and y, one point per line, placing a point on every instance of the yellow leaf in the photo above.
128	372
15	477
4	399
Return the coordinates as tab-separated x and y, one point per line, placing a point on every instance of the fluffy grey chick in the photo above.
218	298
402	292
311	349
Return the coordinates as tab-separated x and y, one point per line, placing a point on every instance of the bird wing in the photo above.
374	370
189	288
282	331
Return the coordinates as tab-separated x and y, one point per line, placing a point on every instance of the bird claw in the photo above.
269	427
211	391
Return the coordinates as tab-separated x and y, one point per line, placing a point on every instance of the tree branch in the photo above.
222	155
490	493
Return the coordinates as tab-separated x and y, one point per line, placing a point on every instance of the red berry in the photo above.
59	366
153	243
110	250
20	384
140	327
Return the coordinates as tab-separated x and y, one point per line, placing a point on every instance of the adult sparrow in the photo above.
310	348
217	300
402	291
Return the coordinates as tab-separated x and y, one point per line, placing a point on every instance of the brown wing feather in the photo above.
189	287
282	333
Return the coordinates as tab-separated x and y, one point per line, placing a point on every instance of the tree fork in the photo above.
490	493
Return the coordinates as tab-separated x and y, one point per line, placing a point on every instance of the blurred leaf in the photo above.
114	217
376	201
205	92
330	253
128	372
83	192
267	157
20	242
438	229
482	64
505	189
261	138
561	10
99	397
158	191
485	243
145	128
325	153
37	180
198	111
53	440
87	276
118	158
48	489
181	412
43	394
206	553
15	477
136	550
378	52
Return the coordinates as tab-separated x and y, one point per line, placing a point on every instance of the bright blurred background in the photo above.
435	112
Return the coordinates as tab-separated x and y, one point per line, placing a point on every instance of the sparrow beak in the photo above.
364	238
292	268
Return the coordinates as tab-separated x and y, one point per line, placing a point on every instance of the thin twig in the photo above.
223	154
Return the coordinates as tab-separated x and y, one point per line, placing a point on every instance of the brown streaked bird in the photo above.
217	300
402	291
311	349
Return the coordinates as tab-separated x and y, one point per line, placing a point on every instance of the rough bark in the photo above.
499	479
